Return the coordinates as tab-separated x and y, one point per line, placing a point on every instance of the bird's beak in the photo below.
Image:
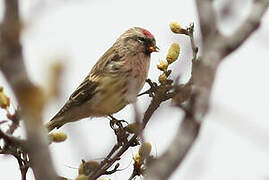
153	49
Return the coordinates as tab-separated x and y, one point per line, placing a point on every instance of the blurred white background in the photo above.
233	142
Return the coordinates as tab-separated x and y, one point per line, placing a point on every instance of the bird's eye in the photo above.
141	39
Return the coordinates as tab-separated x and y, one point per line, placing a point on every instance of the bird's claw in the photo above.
117	126
115	122
151	90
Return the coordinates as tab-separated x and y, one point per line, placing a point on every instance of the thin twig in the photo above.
15	119
13	140
194	48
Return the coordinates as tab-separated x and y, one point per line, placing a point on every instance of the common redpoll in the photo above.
114	81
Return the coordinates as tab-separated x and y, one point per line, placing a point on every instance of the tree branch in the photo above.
176	151
215	48
206	17
30	98
13	140
251	24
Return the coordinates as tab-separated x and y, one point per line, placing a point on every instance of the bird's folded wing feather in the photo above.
108	64
84	92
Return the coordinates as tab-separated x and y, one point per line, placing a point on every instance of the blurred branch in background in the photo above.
242	125
215	47
30	98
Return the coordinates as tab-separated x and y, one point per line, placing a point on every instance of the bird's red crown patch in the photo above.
147	33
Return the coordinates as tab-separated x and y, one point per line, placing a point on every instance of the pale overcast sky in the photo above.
233	143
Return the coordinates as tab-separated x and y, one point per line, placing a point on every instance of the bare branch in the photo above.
13	140
207	17
176	151
251	24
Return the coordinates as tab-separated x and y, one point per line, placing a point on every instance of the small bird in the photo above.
114	81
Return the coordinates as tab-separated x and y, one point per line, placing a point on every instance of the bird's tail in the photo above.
55	122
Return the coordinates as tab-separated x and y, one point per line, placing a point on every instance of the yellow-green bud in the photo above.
163	65
173	53
144	150
175	27
87	167
80	168
4	100
138	159
82	177
162	78
57	137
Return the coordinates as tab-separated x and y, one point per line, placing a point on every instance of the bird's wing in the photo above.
84	92
110	63
107	64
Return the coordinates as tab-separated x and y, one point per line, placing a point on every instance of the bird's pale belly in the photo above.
114	94
110	104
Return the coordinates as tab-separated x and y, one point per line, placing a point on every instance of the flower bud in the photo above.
163	65
4	100
57	137
87	167
173	53
162	78
138	159
144	150
175	27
